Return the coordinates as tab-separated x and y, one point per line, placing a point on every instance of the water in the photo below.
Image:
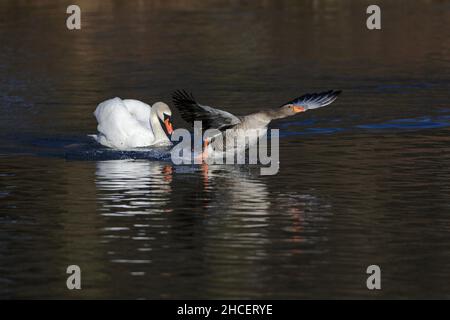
364	181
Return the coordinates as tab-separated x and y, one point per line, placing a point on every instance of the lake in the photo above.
364	181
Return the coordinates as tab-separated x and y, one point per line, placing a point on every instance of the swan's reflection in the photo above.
130	187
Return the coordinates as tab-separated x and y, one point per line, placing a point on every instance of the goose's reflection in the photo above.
236	188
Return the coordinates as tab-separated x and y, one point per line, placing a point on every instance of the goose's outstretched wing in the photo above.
315	100
211	118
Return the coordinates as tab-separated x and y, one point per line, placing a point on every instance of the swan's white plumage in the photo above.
139	110
125	124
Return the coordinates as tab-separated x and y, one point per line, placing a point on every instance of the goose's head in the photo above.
164	114
285	111
290	110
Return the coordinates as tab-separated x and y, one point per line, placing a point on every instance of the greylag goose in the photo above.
231	126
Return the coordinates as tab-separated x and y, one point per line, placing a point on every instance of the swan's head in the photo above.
164	114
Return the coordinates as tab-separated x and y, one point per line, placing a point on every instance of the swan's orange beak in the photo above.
168	125
298	109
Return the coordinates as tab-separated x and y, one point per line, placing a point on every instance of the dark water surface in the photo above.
364	181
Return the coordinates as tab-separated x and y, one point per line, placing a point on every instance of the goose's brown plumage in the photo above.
213	118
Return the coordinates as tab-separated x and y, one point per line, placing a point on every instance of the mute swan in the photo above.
213	118
128	123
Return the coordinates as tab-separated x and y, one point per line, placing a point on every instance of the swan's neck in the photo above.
158	131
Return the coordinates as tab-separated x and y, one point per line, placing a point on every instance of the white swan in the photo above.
128	124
